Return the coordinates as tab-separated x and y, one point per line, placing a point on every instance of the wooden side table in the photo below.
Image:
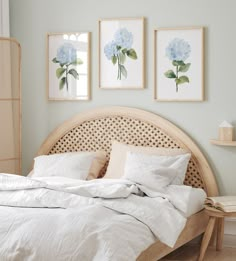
216	218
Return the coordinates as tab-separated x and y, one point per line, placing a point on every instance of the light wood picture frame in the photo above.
179	64
68	66
122	53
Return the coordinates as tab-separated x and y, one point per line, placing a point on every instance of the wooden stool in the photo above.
216	217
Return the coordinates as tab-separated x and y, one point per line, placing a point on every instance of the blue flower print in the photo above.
178	51
66	57
118	49
124	38
110	50
66	53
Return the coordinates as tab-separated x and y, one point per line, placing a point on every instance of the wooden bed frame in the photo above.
96	129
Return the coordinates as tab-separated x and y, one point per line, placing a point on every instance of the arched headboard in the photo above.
96	129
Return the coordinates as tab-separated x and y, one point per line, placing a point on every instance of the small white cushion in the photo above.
115	169
77	165
156	171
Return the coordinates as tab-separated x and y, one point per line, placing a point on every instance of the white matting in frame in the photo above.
68	66
179	65
121	53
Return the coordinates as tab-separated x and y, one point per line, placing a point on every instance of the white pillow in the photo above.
156	171
115	169
77	165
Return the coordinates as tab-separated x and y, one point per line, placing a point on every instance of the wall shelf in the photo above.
223	143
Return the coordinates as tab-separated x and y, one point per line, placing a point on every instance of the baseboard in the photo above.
229	241
230	232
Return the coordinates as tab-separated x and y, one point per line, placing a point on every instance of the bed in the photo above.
96	129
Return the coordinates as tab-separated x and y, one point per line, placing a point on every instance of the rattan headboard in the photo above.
95	130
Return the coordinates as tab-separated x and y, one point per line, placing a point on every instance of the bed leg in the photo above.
207	237
220	233
212	242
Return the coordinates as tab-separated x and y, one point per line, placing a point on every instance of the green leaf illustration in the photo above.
123	70
74	73
78	61
62	83
124	51
122	58
60	71
178	63
182	79
132	54
54	60
114	59
184	68
170	74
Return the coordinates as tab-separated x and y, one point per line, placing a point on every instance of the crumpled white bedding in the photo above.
64	219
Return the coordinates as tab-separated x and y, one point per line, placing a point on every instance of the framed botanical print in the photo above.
68	67
121	53
179	64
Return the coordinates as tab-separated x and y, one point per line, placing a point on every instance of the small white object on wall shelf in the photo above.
225	135
226	131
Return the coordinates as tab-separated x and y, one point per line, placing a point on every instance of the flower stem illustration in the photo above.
67	59
118	49
178	51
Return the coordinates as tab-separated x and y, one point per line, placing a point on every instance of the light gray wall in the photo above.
4	18
31	20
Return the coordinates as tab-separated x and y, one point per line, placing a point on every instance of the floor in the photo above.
191	252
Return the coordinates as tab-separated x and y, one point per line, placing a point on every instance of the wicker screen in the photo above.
98	134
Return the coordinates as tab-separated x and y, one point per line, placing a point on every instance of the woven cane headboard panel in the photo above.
96	129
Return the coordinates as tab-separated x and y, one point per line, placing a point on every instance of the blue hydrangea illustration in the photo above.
178	51
66	53
110	50
118	49
124	38
66	57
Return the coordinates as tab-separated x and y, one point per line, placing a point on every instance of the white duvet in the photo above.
65	219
